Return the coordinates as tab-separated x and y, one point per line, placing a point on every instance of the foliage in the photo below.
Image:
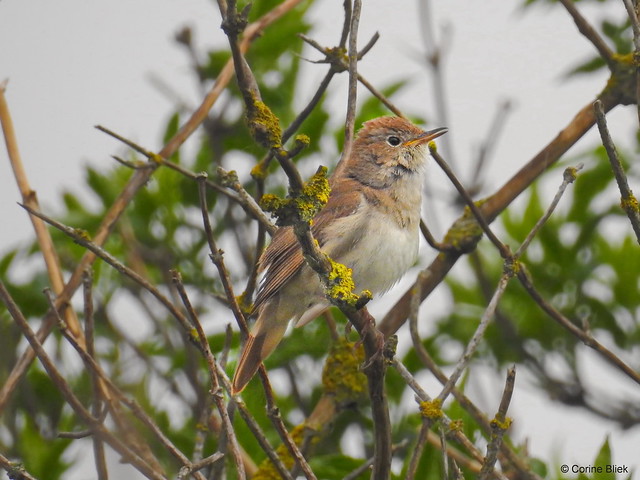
584	261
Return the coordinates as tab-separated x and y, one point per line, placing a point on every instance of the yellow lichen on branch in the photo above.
431	409
340	286
630	204
264	125
501	424
303	207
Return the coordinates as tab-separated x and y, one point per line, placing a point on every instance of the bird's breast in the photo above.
375	245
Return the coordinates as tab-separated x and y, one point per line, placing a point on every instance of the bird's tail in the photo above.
264	338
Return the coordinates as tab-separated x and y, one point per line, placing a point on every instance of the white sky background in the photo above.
74	64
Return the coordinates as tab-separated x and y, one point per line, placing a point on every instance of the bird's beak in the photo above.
425	137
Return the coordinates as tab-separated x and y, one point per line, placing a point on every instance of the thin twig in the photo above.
96	406
230	179
584	337
205	462
628	201
633	11
431	240
590	33
416	453
500	424
635	24
472	345
338	64
349	125
443	451
72	400
15	470
380	96
254	427
477	213
273	412
306	111
216	257
216	390
568	177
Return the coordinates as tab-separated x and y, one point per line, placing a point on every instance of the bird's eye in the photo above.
393	141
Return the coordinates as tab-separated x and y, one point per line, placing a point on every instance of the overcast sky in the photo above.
74	64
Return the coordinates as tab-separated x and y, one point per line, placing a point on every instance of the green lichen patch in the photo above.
244	303
227	179
342	375
82	234
465	233
267	471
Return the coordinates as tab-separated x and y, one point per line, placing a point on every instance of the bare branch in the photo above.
73	401
29	197
15	471
472	345
584	337
635	24
216	390
217	259
628	201
497	202
569	177
349	125
96	407
590	33
500	424
139	179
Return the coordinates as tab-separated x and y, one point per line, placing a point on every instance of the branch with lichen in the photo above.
618	91
300	208
512	267
82	238
303	206
138	180
499	425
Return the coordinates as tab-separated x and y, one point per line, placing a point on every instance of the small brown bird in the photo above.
370	224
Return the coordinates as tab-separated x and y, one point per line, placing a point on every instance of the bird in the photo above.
370	224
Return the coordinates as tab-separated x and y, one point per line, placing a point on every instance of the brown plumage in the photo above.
370	224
